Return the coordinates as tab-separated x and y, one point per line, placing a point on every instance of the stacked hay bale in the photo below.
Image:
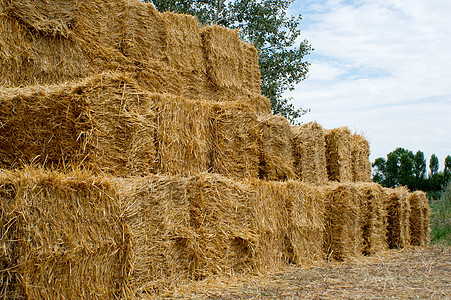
276	158
62	236
419	219
360	153
104	123
373	217
194	176
309	150
338	154
398	214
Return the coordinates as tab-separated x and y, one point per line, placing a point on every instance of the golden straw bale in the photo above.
251	67
306	231
419	219
63	237
185	229
104	123
183	135
343	233
398	215
338	154
234	140
276	161
221	214
373	217
309	152
35	44
274	247
360	152
157	217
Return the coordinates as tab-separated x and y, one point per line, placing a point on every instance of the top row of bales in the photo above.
108	124
44	42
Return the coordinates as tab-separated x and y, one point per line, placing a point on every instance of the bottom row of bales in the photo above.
66	236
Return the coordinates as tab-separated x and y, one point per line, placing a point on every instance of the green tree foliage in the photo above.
433	164
266	24
447	169
402	167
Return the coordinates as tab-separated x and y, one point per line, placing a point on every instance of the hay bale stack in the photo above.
235	140
276	162
306	232
272	219
398	215
104	123
360	153
373	217
338	154
308	146
63	237
419	219
343	231
183	135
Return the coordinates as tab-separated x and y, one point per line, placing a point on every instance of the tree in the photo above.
433	164
391	170
447	169
419	169
405	170
378	170
265	24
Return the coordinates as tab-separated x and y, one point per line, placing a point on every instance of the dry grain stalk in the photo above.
398	215
338	154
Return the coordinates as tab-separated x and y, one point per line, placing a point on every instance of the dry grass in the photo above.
419	273
360	153
398	215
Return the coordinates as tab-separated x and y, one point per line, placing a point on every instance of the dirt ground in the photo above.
418	273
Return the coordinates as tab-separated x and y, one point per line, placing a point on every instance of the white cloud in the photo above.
381	67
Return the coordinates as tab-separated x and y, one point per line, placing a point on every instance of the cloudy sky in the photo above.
382	68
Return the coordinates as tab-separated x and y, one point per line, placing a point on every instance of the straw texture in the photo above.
235	140
338	154
103	123
398	218
373	217
419	219
360	153
309	151
343	233
61	238
276	157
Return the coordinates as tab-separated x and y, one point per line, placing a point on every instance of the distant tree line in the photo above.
402	167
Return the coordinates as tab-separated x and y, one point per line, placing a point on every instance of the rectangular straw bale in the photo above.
343	233
104	123
419	219
63	238
276	157
338	154
274	248
36	45
373	217
360	152
309	151
234	140
230	63
157	218
307	218
183	135
398	215
222	216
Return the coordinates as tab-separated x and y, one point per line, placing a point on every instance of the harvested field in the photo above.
420	273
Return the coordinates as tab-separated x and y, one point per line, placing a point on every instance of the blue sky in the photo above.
382	68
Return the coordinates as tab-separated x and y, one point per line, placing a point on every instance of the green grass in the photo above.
441	218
